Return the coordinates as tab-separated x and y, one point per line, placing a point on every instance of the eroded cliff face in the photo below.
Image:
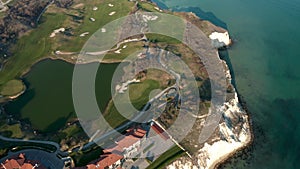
232	134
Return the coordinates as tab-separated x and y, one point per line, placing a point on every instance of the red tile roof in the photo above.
160	131
11	164
132	136
113	154
19	162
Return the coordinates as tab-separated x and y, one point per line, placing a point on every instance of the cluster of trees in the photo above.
64	3
22	16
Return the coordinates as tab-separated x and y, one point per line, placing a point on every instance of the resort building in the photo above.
125	146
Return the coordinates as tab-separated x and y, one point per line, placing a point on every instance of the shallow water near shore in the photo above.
266	64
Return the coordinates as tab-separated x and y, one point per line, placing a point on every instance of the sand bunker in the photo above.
57	31
112	13
84	34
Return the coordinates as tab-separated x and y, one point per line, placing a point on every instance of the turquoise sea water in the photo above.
266	64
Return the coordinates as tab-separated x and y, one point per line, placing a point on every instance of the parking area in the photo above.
49	160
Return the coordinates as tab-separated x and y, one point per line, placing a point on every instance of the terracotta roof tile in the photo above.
160	131
19	162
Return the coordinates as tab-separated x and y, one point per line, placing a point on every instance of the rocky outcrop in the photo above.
220	39
234	134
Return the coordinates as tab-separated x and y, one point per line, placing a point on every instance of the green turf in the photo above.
29	49
146	6
13	131
139	92
128	53
139	95
156	38
12	87
101	16
166	158
113	117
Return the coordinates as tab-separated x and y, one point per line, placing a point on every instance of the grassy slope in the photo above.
139	94
101	16
166	158
12	87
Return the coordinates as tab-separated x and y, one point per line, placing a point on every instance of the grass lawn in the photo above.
101	16
167	158
162	38
14	131
12	87
139	92
139	95
146	6
129	52
30	48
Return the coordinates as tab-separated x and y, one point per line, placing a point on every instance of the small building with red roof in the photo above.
160	131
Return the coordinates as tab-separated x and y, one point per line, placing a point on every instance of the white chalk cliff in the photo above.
220	39
234	129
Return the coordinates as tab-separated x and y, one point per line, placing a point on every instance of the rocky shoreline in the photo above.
212	155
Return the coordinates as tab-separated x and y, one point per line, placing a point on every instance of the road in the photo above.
48	160
33	141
